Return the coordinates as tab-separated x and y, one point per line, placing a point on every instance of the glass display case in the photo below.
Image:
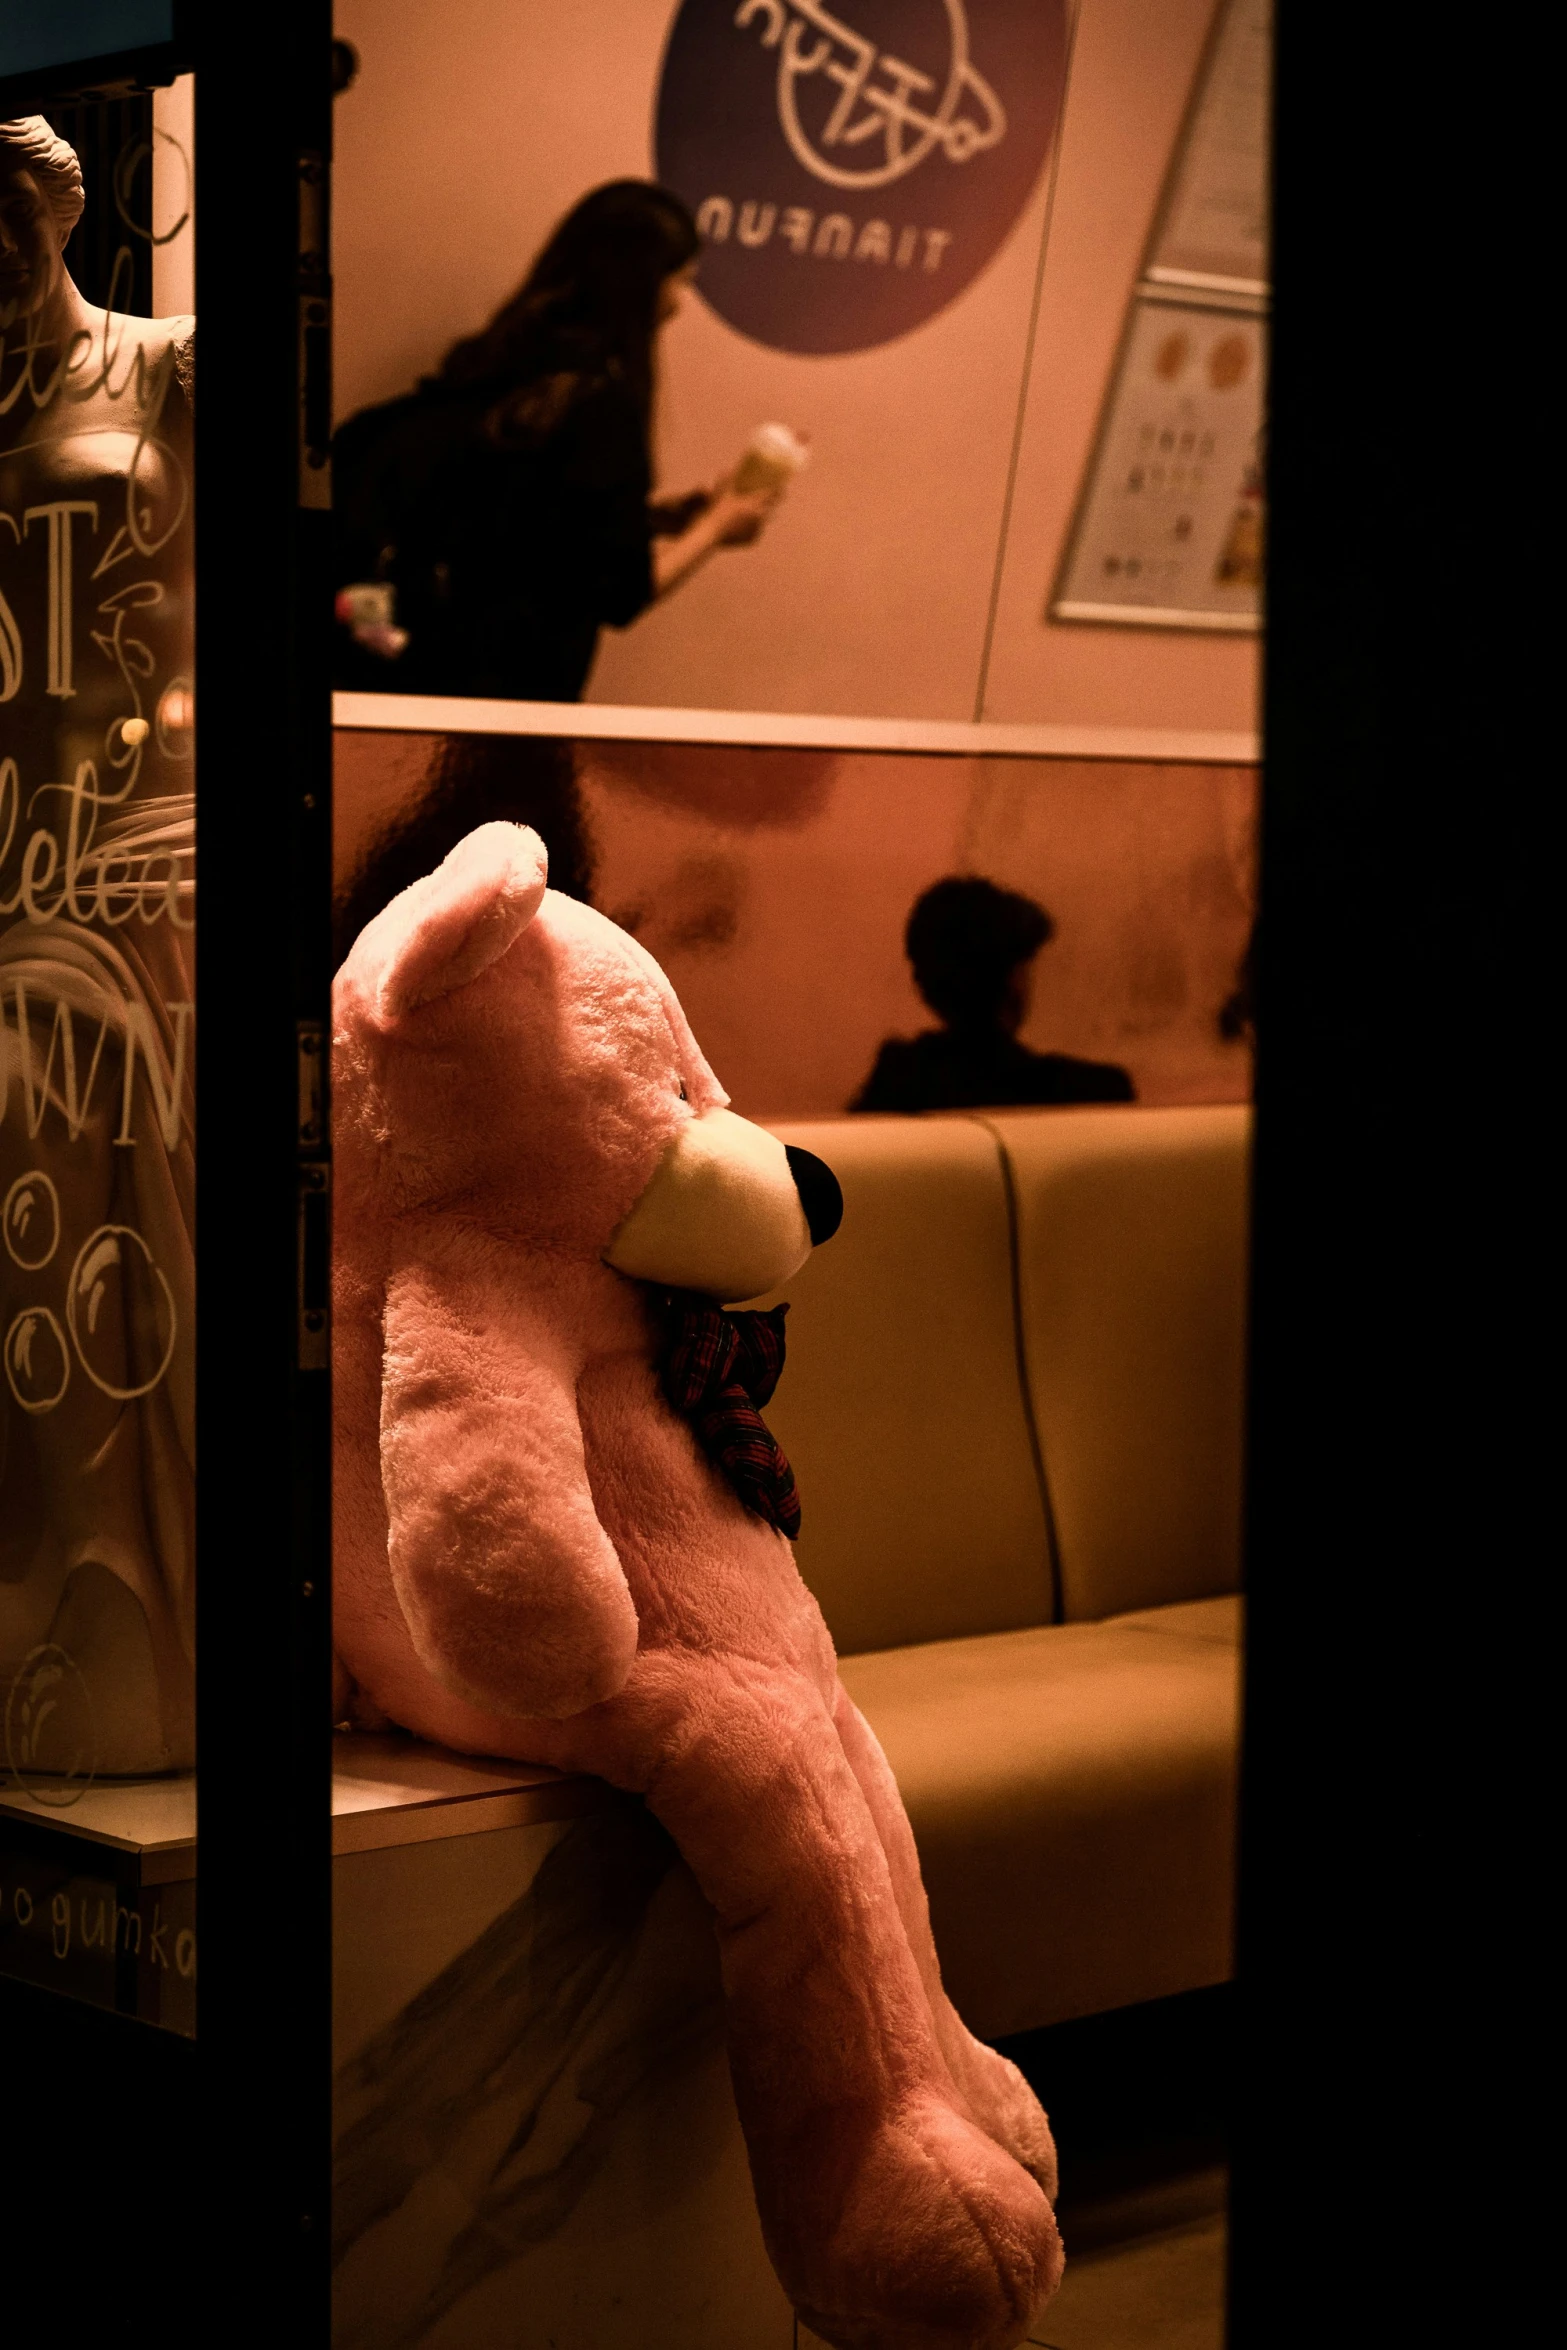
164	1651
97	1000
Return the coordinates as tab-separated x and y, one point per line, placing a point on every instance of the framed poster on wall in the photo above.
1169	526
1214	220
1170	533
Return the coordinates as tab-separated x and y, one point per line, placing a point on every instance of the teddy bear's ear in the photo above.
463	917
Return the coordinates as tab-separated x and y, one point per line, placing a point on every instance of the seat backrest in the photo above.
1132	1289
901	1404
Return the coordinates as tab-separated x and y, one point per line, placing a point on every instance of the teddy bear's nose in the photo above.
820	1196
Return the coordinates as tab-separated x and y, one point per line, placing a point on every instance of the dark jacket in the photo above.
983	1069
507	560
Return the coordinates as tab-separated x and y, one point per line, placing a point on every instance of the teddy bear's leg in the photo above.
1002	2101
894	2221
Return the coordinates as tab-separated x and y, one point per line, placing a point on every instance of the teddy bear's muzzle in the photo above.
729	1212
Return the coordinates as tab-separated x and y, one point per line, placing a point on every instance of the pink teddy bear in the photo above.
536	1558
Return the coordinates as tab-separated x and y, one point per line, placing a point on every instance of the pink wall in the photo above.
473	126
773	886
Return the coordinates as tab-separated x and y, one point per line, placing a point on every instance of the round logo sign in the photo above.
853	169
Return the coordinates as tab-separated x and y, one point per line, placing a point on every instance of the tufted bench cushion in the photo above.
1014	1402
1072	1793
901	1406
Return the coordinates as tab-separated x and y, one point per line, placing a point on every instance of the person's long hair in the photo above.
586	313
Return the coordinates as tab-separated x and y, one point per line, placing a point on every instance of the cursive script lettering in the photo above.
85	882
59	514
59	1083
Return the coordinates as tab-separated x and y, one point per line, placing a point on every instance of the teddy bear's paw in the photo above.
1004	2105
943	2243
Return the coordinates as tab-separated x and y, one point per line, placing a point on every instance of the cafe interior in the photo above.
1013	1390
801	1358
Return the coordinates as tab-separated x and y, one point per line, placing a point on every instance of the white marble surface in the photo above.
536	2140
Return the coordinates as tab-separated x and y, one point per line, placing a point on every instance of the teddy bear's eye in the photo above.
683	1093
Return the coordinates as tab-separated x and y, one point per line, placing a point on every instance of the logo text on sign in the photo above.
896	109
852	173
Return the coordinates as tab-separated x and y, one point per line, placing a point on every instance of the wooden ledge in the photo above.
389	1790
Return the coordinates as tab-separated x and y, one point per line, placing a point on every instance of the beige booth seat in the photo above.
1013	1404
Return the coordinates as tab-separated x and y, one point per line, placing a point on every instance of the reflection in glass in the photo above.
97	1000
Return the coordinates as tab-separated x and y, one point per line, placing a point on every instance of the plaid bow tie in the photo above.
718	1371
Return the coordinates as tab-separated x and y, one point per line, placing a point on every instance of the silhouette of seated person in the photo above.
972	948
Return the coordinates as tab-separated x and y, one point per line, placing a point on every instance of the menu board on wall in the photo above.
1213	229
1170	524
1171	531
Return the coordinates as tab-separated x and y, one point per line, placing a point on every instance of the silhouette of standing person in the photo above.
489	524
972	948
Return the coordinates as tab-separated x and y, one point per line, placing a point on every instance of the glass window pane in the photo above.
97	1053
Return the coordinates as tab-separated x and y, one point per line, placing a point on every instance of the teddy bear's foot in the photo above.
941	2242
1000	2100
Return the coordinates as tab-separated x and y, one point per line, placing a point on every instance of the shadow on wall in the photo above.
774	886
746	788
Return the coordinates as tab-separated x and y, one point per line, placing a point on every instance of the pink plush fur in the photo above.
535	1559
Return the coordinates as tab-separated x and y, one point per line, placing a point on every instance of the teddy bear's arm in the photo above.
512	1592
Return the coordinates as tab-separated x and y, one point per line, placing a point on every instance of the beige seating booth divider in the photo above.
1013	1402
